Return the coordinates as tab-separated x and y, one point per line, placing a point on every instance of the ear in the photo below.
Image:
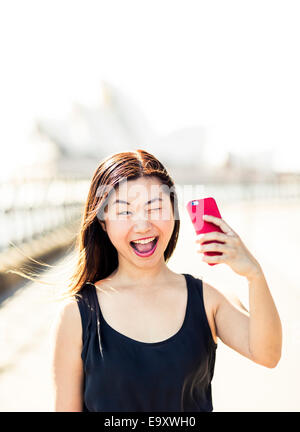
102	225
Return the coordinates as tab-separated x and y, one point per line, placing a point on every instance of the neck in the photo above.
142	277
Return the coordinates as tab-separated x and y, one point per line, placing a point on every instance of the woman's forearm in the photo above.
265	331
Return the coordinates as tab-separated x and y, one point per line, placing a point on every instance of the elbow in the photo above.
268	356
274	362
270	362
275	357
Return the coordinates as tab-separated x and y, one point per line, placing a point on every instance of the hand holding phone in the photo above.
198	208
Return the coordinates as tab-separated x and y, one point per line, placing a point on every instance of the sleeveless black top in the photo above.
123	374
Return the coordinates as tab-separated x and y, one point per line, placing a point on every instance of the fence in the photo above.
33	208
255	191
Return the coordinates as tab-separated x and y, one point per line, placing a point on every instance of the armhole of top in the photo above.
81	302
199	283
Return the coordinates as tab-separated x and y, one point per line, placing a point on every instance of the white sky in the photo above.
232	66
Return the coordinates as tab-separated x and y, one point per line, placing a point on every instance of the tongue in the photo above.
144	247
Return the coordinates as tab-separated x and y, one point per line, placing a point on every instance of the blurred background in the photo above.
212	90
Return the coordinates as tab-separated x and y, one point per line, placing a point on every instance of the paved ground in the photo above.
271	232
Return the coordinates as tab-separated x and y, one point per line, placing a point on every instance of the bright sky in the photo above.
231	66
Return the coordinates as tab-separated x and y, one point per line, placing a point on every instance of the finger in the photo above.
214	235
213	247
213	259
220	222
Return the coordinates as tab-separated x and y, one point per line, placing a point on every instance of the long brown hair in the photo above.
93	256
97	257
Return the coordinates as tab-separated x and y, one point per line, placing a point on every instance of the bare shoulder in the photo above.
210	300
211	297
66	363
67	321
214	297
68	310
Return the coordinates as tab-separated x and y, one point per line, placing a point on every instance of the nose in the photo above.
141	223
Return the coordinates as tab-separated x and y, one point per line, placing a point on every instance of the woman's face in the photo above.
140	209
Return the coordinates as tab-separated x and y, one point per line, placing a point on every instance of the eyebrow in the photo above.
148	202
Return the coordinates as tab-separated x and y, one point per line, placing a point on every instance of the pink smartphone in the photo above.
196	209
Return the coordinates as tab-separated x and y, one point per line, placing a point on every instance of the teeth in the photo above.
144	241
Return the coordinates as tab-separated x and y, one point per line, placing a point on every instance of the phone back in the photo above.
196	209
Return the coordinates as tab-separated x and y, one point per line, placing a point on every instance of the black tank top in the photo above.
123	374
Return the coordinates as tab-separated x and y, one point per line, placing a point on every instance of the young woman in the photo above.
134	335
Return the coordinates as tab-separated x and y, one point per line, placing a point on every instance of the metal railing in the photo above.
35	207
255	191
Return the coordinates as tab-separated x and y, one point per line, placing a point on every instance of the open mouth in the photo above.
144	249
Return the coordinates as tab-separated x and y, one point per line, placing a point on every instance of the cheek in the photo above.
166	227
117	232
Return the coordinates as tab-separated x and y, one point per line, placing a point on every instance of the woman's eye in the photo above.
123	212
